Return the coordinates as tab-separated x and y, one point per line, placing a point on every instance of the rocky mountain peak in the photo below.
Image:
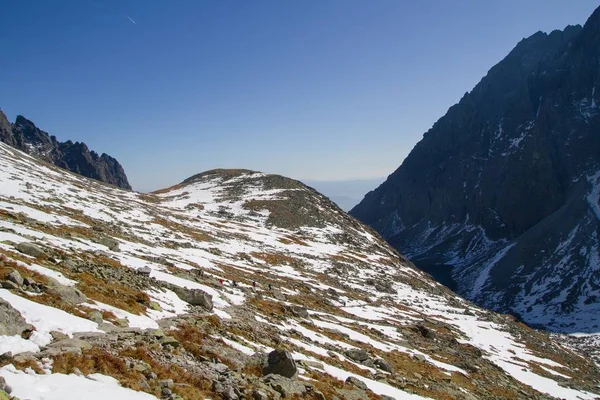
76	157
497	199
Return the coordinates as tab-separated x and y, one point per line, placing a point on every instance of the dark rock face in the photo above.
75	157
281	362
501	194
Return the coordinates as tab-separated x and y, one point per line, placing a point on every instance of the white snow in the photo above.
47	319
67	387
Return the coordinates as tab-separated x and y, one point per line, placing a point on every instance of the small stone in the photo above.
15	277
260	395
157	333
356	382
166	392
357	355
96	316
141	367
166	383
8	389
10	285
169	341
30	249
151	376
145	271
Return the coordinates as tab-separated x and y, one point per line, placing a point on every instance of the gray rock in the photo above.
96	316
358	355
281	362
30	249
220	368
170	341
259	395
68	294
312	364
145	271
195	297
383	365
11	321
15	277
168	383
10	285
58	336
356	382
112	244
285	386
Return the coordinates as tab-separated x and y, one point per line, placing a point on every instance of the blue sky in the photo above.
319	90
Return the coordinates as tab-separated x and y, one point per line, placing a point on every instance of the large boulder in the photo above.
30	249
357	355
11	321
15	277
195	297
286	387
281	362
68	294
109	242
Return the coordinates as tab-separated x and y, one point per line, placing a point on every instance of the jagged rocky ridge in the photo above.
75	157
500	199
97	280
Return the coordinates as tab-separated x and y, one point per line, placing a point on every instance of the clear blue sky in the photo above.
312	89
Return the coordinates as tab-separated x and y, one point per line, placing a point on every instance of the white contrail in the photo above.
131	19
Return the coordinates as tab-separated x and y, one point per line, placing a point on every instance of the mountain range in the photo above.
500	199
75	157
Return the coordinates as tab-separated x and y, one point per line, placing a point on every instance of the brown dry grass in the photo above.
273	258
195	234
113	293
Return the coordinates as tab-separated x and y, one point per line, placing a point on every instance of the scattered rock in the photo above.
195	297
383	365
96	316
11	321
285	386
259	395
166	383
425	332
68	294
10	285
280	362
30	249
356	382
145	271
358	355
112	244
169	340
15	277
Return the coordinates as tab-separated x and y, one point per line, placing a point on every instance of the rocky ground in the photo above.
238	285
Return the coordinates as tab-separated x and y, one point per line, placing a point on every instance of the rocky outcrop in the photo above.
11	321
499	200
194	297
280	362
75	157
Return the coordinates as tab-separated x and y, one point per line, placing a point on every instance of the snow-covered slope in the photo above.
110	278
